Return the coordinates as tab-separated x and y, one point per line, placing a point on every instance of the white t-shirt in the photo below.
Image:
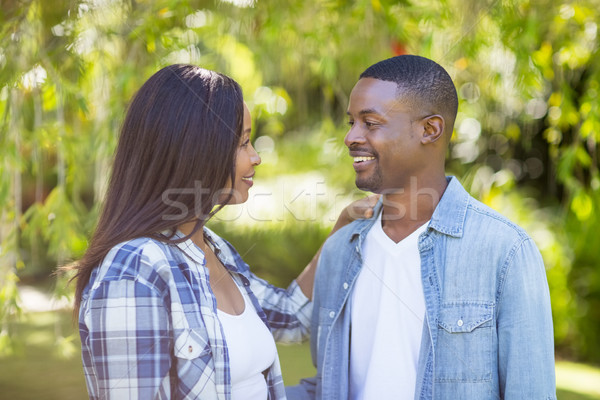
388	307
251	350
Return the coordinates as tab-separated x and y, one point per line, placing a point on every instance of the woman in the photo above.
167	309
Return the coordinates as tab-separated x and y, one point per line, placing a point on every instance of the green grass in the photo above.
295	362
43	367
577	381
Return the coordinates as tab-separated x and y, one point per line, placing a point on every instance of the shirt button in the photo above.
345	286
190	349
331	314
460	322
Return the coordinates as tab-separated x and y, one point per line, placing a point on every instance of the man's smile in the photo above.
363	159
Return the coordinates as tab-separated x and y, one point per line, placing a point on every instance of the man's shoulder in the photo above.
460	214
480	215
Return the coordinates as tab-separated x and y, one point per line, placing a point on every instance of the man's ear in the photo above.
433	128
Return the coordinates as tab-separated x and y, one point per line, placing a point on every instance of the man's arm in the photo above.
525	332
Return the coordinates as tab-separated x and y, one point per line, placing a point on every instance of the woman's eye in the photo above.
246	143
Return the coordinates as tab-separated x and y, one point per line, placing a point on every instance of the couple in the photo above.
435	296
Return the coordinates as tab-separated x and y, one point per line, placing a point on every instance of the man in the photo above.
437	296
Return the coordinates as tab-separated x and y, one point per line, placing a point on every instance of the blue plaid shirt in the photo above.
149	327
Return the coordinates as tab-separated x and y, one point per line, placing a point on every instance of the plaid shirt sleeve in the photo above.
126	335
288	311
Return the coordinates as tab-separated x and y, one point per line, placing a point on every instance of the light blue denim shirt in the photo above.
487	332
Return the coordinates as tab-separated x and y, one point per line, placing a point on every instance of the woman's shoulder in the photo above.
142	248
138	259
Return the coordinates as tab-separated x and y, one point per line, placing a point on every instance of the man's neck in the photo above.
407	209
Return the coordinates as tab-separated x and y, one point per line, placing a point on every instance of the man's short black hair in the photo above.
421	83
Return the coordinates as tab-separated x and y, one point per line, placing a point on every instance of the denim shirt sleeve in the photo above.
524	323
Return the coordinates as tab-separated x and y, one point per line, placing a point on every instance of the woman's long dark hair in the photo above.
175	155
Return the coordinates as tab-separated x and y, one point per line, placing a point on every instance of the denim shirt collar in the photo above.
448	217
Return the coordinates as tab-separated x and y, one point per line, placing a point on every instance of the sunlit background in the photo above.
525	142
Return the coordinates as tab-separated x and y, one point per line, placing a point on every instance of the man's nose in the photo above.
354	136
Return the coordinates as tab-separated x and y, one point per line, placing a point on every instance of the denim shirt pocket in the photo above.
464	342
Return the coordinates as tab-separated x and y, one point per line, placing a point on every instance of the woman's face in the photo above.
246	159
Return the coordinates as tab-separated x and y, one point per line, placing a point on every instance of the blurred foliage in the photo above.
526	137
275	252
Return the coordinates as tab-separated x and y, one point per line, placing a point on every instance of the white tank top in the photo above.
251	350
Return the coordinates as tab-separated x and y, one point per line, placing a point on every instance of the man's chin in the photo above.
367	186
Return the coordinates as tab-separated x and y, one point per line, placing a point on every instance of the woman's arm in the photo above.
288	311
359	209
126	343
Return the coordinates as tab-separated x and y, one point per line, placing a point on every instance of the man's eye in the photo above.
350	123
370	124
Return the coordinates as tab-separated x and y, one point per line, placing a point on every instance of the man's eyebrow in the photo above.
369	111
366	111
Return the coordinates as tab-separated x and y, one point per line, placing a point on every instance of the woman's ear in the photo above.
433	128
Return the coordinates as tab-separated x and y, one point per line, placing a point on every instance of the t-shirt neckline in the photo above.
380	235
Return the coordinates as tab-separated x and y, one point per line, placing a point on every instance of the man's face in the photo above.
384	137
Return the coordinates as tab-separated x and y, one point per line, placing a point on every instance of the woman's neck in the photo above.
197	237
